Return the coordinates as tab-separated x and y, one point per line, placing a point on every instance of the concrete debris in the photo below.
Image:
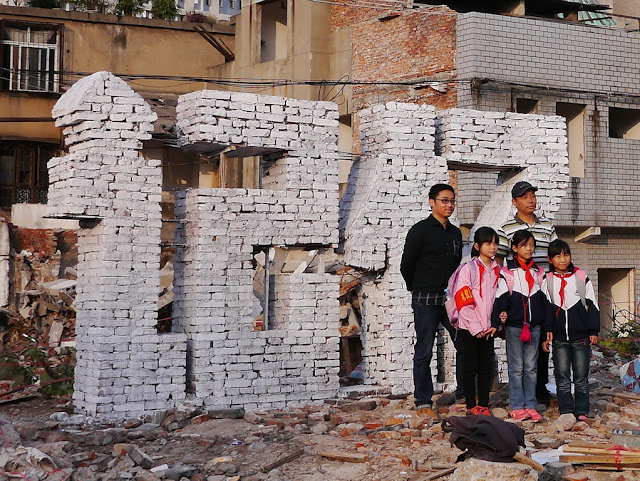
564	423
477	469
231	413
379	437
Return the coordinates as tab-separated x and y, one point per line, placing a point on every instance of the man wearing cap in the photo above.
523	197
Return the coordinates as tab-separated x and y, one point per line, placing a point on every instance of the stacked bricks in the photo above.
123	366
387	194
306	131
506	140
230	364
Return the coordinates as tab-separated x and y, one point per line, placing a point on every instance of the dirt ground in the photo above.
393	442
375	438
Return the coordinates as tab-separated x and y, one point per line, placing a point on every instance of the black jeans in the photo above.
568	357
427	319
542	393
478	362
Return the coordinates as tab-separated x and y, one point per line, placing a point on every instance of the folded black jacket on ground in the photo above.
484	437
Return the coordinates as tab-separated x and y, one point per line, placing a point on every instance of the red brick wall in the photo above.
41	240
416	44
44	241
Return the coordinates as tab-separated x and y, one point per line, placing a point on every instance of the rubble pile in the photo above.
37	340
339	439
44	307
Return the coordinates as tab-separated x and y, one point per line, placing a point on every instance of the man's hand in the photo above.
503	316
545	344
593	340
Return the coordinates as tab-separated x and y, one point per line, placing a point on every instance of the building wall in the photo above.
591	66
123	45
400	46
306	51
579	65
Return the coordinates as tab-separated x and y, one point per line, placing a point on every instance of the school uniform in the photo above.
544	233
475	293
573	317
519	294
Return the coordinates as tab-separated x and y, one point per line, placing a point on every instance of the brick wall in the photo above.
297	360
44	241
124	367
415	44
591	61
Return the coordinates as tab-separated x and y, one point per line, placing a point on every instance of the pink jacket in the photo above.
476	317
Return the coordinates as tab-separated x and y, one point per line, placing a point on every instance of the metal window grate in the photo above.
31	56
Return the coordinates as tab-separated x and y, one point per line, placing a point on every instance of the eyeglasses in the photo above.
447	201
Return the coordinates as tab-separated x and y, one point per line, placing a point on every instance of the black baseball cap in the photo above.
521	188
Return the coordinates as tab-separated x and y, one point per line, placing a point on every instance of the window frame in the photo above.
38	179
52	85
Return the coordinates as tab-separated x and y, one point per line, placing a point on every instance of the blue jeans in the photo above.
427	318
522	362
568	356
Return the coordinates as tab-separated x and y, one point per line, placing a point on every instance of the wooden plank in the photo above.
598	459
613	468
584	444
591	450
521	458
281	461
622	395
347	457
438	474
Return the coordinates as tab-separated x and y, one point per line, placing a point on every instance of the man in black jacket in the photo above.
432	252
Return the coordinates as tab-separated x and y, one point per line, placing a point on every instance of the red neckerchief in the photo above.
563	283
482	268
527	269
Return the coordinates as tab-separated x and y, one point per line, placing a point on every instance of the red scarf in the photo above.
563	283
527	272
525	335
482	268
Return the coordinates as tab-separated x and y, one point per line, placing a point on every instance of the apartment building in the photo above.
46	51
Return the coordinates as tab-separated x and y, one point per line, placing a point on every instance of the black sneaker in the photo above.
447	399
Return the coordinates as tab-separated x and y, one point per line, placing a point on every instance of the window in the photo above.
624	123
229	7
574	113
273	33
23	172
31	57
527	106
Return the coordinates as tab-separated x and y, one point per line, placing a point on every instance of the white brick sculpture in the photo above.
536	144
388	193
124	367
231	364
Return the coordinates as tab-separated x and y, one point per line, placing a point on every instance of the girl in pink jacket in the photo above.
474	293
